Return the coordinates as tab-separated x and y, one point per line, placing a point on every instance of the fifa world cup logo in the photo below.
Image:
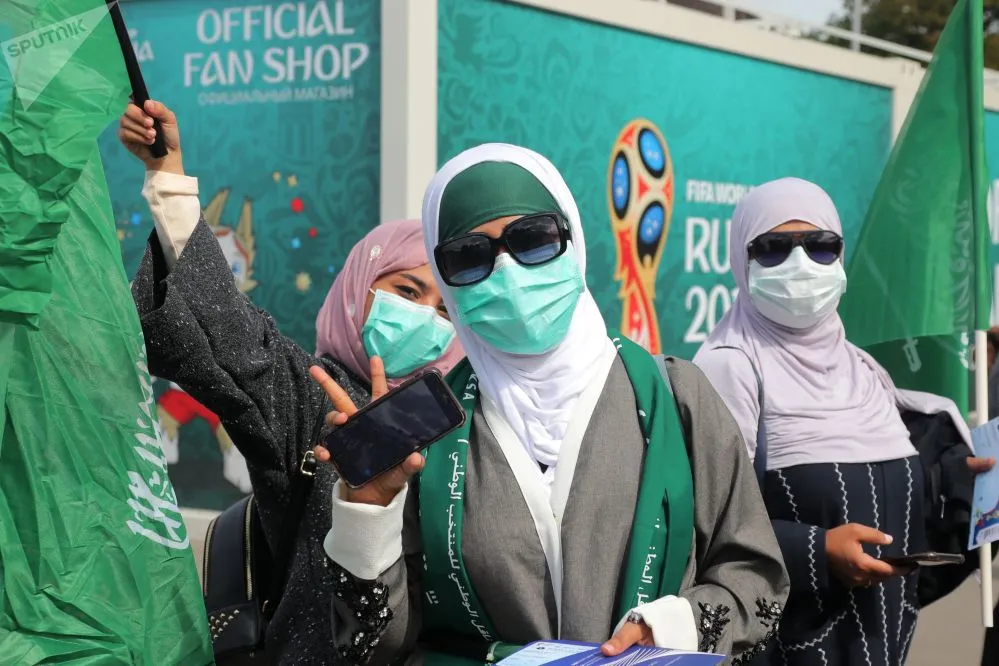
640	197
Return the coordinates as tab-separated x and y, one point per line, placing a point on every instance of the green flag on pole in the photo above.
918	278
95	562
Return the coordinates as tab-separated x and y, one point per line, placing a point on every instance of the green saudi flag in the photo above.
918	279
95	562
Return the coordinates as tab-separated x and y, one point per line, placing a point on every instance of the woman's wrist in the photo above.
365	539
172	163
366	495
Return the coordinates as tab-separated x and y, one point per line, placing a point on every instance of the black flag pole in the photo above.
139	92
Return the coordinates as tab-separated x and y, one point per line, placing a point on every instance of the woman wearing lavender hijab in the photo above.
204	334
842	482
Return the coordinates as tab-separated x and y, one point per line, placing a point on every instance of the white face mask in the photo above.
798	293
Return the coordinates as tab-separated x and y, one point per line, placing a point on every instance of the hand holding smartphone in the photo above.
372	446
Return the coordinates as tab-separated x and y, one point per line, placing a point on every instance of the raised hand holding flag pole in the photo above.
918	277
140	95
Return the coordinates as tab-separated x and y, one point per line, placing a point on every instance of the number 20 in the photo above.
706	312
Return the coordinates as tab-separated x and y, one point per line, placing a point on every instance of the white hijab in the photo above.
826	400
535	394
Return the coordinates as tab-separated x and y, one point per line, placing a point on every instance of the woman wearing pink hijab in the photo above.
206	336
387	272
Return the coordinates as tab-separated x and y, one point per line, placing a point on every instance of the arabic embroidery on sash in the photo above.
449	600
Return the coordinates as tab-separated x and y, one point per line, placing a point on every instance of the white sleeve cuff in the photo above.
173	202
169	183
671	620
365	539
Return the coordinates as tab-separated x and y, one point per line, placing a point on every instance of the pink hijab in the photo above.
390	247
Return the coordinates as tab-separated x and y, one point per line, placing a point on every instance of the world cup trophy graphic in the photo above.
640	196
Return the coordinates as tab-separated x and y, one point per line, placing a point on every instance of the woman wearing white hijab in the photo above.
581	500
843	483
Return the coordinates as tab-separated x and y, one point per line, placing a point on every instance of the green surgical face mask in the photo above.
522	309
405	335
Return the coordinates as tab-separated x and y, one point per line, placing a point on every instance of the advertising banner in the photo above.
278	105
658	141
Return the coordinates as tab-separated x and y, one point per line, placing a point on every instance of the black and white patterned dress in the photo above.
825	623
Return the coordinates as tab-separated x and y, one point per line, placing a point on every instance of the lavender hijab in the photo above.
389	248
826	401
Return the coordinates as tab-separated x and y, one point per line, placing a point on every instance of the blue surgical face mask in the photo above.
405	335
522	309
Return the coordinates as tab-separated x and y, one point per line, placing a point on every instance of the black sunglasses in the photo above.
774	247
531	241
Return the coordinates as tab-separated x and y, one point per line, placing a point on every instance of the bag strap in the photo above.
660	360
760	460
663	370
301	488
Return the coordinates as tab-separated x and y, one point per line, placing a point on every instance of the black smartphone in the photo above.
384	433
925	560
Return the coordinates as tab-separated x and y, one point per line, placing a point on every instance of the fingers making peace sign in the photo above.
343	406
382	489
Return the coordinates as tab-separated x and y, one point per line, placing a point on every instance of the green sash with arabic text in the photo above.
661	535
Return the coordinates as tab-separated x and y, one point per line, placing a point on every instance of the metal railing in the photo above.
800	29
733	10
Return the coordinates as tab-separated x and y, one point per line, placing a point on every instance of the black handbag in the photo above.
243	579
947	500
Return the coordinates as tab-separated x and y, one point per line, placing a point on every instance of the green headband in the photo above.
487	191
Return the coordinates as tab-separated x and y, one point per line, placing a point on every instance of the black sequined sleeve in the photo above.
363	610
378	621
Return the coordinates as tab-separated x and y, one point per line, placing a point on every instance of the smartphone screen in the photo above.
386	432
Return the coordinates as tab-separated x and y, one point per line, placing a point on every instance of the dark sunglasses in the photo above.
531	241
773	248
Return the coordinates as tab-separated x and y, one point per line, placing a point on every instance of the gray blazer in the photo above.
735	581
